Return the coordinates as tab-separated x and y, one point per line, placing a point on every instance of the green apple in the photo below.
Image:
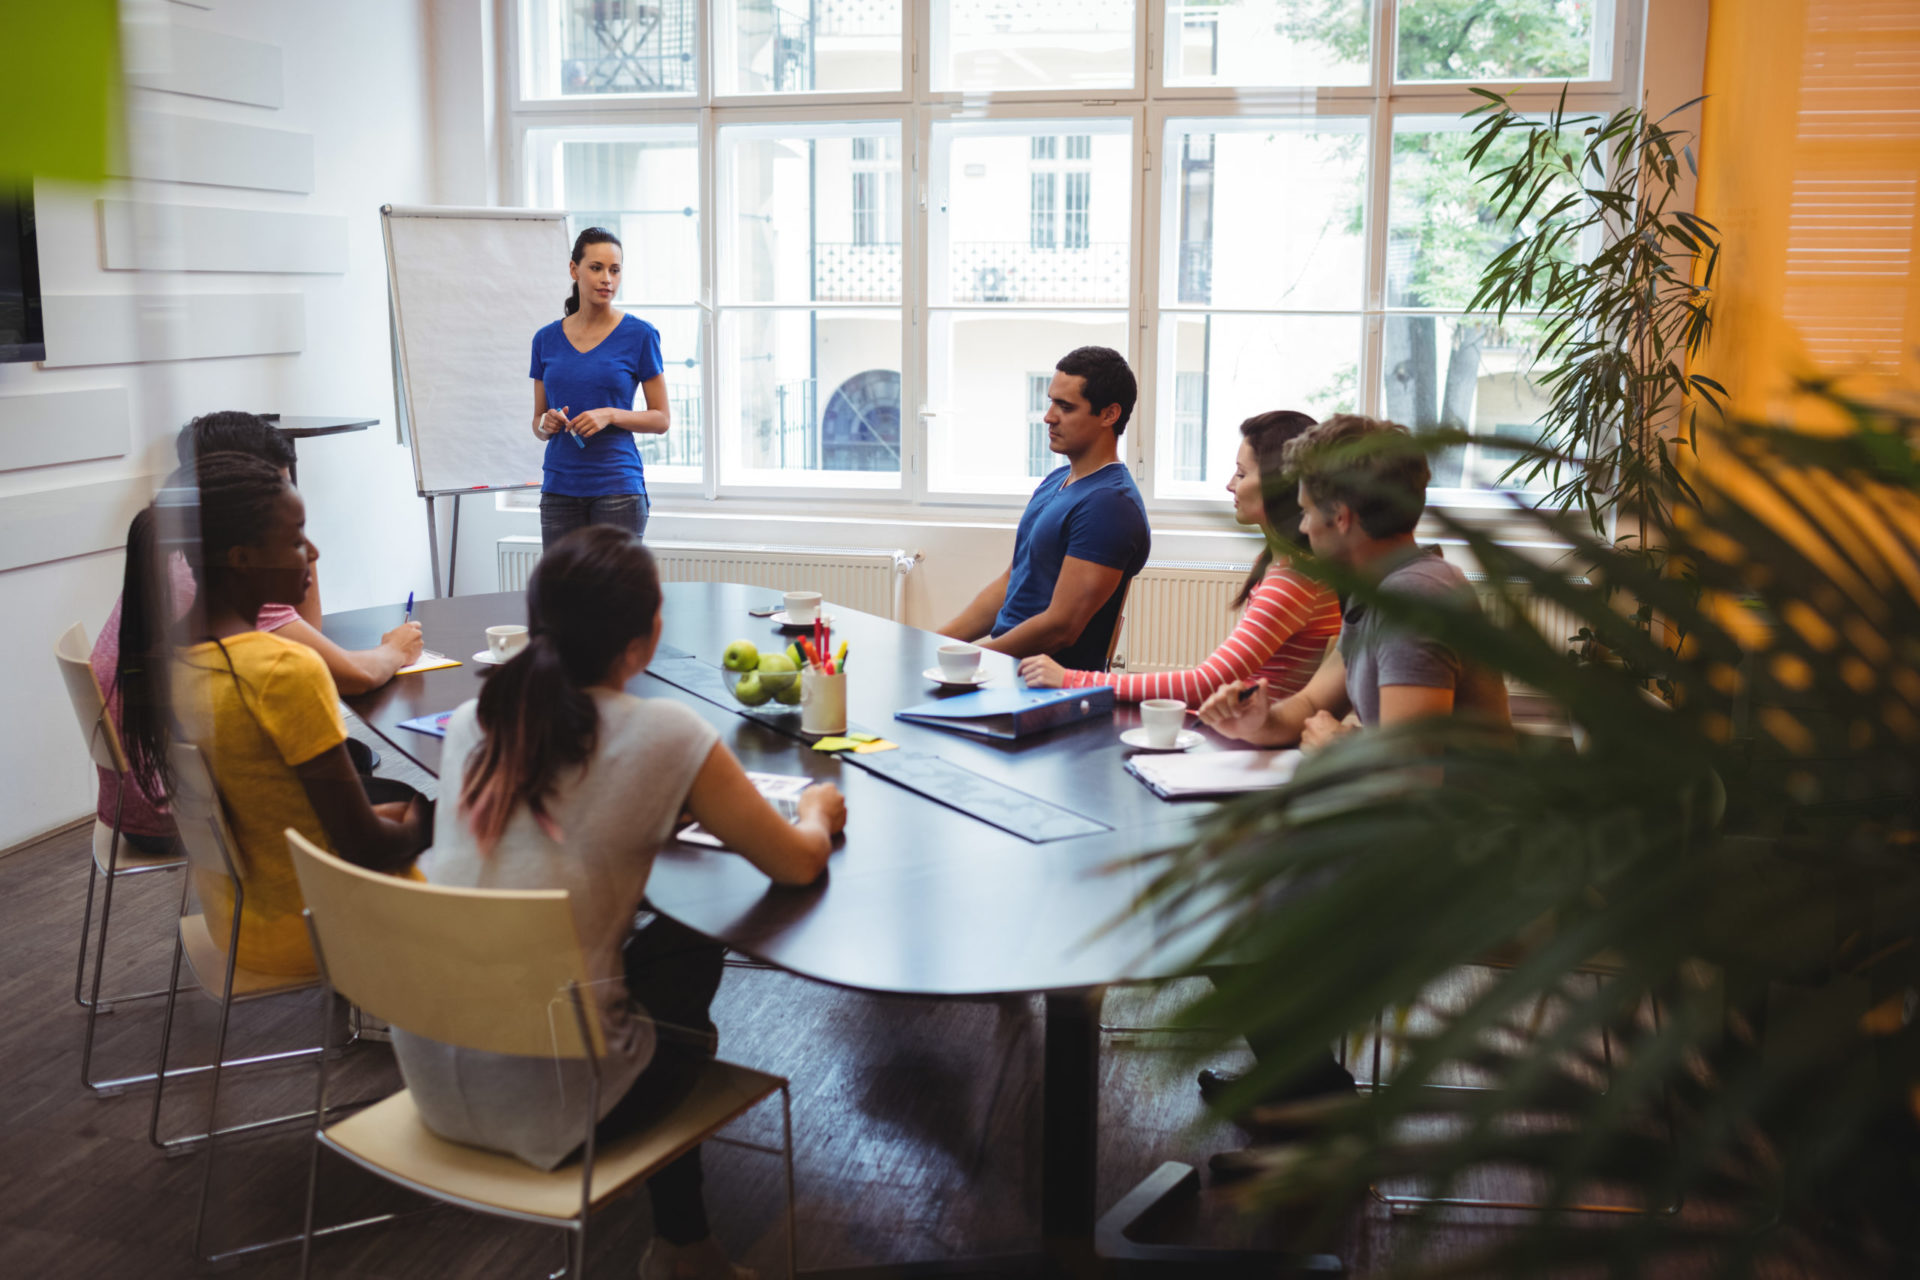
741	656
799	659
790	695
750	691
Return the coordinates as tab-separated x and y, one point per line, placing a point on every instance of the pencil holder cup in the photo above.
823	702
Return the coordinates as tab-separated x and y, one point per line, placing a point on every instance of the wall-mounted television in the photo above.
22	335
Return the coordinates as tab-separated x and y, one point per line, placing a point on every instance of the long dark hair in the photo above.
592	235
1269	434
228	501
592	594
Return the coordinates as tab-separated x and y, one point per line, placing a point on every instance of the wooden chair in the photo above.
213	855
498	972
113	859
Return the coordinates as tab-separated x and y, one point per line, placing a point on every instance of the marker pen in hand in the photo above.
409	617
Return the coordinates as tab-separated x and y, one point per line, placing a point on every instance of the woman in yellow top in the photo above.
263	709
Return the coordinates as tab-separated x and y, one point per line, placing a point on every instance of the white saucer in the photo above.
779	619
486	659
1137	738
946	681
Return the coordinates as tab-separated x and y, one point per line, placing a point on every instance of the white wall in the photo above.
355	77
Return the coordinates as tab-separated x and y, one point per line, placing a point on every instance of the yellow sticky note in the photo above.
864	737
878	744
835	744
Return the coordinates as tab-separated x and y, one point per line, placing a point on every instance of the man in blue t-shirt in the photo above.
1084	534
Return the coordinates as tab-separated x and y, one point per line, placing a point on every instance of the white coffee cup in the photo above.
1163	718
959	661
803	607
504	642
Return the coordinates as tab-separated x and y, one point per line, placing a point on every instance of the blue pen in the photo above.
579	440
409	617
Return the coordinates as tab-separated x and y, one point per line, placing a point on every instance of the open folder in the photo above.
1214	773
1011	713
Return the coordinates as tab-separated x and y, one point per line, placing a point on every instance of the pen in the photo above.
409	617
1249	691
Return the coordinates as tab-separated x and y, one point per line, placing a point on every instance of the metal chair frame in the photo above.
577	1227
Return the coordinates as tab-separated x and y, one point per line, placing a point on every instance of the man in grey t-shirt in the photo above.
1362	488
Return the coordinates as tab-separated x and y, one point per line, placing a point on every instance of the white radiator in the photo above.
1178	612
868	580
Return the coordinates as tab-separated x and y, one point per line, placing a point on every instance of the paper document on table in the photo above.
1213	773
782	791
428	661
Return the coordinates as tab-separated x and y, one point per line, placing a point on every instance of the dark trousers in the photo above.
561	515
673	972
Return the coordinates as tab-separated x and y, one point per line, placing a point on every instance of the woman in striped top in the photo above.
1289	620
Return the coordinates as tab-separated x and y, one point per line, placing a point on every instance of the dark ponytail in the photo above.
146	611
592	594
592	235
1269	434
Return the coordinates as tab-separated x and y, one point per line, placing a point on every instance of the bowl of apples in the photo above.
766	682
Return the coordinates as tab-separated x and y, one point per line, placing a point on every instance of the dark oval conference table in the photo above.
970	867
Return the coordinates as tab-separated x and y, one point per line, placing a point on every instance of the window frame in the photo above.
1149	104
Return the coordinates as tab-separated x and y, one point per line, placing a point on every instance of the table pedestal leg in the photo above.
1070	1129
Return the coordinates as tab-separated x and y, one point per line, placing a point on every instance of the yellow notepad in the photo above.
835	744
428	661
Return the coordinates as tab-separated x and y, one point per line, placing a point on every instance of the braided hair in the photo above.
229	501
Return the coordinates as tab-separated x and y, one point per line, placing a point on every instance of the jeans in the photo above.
673	973
561	515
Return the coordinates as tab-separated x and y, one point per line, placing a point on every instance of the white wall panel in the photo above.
145	236
207	64
78	520
121	328
176	148
64	426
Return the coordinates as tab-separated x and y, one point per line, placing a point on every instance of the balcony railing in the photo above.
1196	271
1013	271
856	272
857	17
680	447
628	46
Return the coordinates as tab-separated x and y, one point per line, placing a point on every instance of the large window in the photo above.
866	228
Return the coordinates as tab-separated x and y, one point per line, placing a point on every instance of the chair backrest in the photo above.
199	815
1119	623
484	969
74	657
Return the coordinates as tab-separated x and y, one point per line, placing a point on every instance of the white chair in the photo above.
499	972
113	858
213	854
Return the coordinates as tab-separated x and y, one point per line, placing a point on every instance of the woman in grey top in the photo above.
562	780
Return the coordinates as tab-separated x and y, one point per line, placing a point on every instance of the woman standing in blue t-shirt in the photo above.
587	369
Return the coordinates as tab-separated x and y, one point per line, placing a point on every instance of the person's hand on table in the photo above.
591	422
1042	672
1321	728
550	424
1226	714
405	640
823	805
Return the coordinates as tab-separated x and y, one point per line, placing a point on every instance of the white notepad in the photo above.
782	791
1188	775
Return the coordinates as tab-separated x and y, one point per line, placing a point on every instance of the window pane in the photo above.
1466	373
1282	201
1032	44
677	456
810	397
810	216
1441	230
1269	42
584	48
987	380
1511	40
1025	212
807	46
643	186
1218	371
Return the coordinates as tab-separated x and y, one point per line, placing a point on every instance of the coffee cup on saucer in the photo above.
505	641
959	662
802	608
1163	718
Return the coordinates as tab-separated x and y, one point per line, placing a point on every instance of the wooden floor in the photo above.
916	1123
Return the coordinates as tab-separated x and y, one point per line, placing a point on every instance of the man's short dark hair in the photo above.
1376	468
1108	379
233	431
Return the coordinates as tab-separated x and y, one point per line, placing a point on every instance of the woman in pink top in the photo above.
1289	620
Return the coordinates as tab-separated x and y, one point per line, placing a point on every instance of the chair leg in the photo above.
99	958
86	926
793	1208
213	1100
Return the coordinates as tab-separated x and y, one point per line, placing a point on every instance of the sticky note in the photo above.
835	744
864	737
878	744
